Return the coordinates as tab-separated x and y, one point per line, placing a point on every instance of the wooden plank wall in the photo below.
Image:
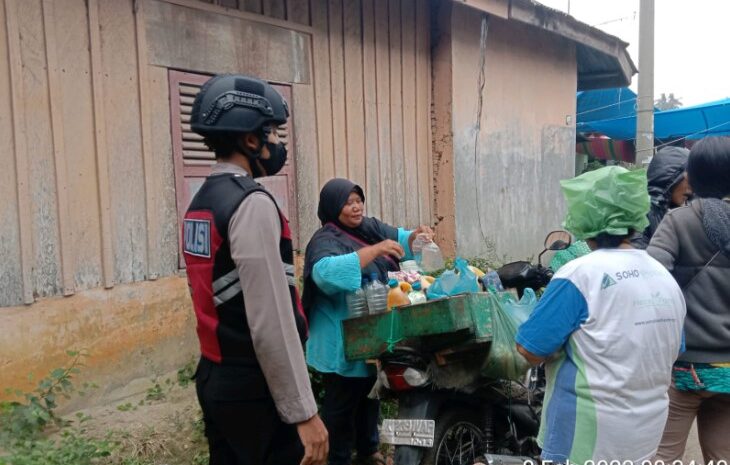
84	208
87	191
372	86
372	95
372	99
14	279
289	10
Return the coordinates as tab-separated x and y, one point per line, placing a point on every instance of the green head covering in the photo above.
610	200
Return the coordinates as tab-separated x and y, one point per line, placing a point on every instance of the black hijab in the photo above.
334	238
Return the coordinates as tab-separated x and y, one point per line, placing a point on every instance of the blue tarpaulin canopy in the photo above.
595	105
692	122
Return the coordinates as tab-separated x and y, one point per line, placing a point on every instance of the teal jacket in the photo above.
335	277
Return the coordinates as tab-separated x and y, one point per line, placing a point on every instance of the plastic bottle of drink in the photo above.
431	257
417	296
357	302
377	295
396	296
417	246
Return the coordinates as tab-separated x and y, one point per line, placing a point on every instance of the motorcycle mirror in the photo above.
558	240
559	245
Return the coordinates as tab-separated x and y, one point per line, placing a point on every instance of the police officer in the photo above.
252	381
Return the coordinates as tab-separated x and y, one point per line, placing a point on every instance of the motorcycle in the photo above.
521	275
490	420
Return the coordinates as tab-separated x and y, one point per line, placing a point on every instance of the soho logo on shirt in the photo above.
609	280
629	274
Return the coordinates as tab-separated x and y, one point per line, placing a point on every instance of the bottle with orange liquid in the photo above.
396	296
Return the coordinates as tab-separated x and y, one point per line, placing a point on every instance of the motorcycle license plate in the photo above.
417	433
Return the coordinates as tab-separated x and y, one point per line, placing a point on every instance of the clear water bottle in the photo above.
431	258
357	302
377	295
417	247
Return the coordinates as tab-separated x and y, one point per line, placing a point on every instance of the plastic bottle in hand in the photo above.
431	258
417	247
417	296
377	295
357	303
396	296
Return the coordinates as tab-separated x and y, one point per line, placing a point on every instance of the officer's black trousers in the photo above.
241	422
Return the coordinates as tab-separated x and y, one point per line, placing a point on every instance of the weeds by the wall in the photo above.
28	416
23	423
33	433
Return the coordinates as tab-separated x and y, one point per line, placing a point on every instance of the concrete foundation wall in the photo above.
512	149
134	331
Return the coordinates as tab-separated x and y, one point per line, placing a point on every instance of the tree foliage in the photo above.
668	102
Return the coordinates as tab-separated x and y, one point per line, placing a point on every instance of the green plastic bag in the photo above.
610	200
519	310
503	361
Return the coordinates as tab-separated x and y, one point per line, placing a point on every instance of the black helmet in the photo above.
232	103
281	109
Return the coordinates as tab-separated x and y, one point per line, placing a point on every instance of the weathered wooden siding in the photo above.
372	86
82	210
68	29
88	189
11	267
290	10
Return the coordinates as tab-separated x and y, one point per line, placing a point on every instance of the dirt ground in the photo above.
159	427
162	427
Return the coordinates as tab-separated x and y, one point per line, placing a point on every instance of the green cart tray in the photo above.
435	323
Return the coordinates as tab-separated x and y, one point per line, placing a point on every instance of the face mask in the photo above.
276	160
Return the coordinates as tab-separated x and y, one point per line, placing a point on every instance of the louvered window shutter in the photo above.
195	152
193	159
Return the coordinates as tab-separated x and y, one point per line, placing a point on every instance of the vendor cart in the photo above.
434	326
431	358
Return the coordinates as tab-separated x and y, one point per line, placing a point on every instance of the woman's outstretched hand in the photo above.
425	231
424	234
392	248
383	248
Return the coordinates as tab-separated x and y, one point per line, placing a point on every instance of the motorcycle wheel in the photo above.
458	439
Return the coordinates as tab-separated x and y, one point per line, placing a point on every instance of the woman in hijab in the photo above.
347	247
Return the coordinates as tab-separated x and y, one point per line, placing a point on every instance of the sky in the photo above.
690	40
